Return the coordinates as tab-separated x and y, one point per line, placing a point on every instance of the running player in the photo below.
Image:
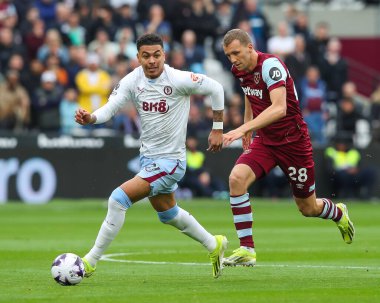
272	111
161	95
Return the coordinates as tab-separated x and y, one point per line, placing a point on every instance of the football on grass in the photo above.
67	269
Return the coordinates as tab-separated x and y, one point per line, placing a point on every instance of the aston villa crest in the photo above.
256	77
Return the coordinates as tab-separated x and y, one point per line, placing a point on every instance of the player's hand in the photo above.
232	135
247	140
83	117
215	140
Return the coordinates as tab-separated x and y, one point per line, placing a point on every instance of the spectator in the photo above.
53	45
36	69
62	15
298	62
202	20
104	20
248	10
283	43
362	105
8	47
125	18
156	23
8	14
46	9
127	46
106	49
334	70
347	118
177	59
93	83
224	14
313	104
31	16
67	109
77	62
143	8
17	62
317	45
46	102
350	179
75	33
121	69
14	103
53	64
301	26
194	53
34	39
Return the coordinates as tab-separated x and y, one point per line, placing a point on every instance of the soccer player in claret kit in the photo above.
161	95
272	111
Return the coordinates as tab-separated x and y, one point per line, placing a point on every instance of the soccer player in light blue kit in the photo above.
161	95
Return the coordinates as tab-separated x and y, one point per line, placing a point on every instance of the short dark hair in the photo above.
149	39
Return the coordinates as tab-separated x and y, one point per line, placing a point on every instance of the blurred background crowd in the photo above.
58	55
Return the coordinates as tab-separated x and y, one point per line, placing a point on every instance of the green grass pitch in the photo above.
299	259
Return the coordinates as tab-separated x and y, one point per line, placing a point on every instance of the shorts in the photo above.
162	174
295	159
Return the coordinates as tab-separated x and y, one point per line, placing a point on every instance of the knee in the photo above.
168	215
235	180
119	199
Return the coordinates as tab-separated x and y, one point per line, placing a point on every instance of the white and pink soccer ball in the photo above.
68	269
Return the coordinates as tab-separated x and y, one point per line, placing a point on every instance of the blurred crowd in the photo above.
56	56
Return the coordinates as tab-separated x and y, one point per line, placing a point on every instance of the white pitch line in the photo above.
110	258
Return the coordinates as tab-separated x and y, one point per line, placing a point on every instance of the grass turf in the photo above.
299	259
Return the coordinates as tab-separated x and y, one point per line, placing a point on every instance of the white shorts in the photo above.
162	174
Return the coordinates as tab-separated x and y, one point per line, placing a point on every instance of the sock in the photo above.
187	224
108	231
330	211
242	212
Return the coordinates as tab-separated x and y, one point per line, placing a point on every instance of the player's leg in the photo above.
251	165
163	201
120	200
240	179
324	208
170	213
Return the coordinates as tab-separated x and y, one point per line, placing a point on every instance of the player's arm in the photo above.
274	75
248	115
203	85
216	93
116	100
273	113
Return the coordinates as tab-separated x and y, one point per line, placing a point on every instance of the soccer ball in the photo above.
68	269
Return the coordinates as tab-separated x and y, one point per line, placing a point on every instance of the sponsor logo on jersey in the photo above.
140	90
241	79
299	186
161	107
168	90
114	92
256	77
196	78
253	92
247	151
275	73
152	167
